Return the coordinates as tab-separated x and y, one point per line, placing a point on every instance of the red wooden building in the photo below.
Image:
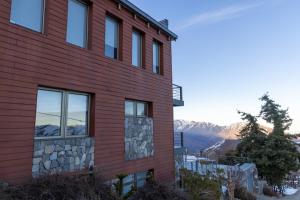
83	85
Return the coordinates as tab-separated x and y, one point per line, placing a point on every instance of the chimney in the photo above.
165	23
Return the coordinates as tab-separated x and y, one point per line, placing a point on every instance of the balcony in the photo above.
178	140
177	96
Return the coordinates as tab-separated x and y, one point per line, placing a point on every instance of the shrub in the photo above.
243	194
154	191
200	187
59	187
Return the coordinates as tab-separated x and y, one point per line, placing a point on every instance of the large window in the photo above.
156	58
111	37
137	48
77	23
61	114
136	108
29	13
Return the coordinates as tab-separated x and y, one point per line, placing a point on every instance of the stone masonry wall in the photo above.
138	138
62	155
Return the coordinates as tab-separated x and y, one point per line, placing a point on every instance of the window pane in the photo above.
141	179
28	13
48	114
77	23
77	115
129	108
136	49
156	59
141	109
111	38
128	183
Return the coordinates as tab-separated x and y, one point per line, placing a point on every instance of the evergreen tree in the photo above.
272	113
275	155
252	139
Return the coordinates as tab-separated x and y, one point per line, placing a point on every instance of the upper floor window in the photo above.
156	58
111	37
29	13
77	23
61	113
136	108
137	48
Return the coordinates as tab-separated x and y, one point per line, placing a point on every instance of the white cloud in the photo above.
216	16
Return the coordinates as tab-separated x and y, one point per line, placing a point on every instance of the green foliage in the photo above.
272	113
274	154
232	158
200	187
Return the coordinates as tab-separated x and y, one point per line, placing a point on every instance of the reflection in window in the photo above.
48	114
77	23
156	58
28	13
141	110
129	108
111	37
77	115
136	108
137	48
61	113
141	179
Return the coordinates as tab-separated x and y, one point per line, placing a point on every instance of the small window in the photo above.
137	51
29	13
129	108
136	108
156	58
61	114
77	23
111	37
141	109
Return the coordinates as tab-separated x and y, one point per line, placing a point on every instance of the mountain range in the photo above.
203	136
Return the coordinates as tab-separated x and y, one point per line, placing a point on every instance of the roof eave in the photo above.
130	6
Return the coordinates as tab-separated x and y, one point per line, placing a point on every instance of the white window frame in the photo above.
64	114
140	34
86	28
43	19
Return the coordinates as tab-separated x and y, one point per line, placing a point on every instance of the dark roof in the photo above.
130	6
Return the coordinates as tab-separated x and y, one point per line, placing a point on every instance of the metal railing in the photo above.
178	140
177	92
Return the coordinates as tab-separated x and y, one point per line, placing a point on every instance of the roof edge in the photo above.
130	6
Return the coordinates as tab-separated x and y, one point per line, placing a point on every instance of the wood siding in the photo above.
29	59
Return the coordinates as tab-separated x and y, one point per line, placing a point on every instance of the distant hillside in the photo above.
203	136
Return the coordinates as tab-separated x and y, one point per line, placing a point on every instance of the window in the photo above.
111	37
136	180
77	23
156	58
136	108
61	114
29	13
137	51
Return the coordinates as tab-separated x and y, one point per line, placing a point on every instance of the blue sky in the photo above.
229	53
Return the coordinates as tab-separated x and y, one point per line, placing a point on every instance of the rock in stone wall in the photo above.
138	138
62	155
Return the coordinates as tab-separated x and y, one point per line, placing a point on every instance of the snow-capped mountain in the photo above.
199	136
